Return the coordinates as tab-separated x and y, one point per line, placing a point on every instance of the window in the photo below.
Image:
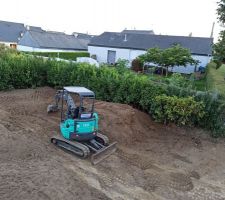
13	46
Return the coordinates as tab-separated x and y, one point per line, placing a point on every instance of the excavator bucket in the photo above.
52	108
103	153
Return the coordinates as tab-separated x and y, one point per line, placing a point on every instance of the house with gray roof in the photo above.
111	46
10	33
50	41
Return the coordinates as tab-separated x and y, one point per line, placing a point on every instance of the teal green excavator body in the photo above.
80	129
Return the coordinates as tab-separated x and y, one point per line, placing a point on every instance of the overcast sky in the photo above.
171	17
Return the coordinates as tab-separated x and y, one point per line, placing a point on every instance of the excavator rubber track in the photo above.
83	150
71	146
103	139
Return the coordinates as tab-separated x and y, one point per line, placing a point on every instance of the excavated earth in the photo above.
153	161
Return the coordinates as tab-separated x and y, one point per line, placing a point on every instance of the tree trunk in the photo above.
166	71
195	70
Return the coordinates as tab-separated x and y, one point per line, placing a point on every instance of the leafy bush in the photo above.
178	80
4	75
137	65
122	65
62	55
20	71
183	111
214	117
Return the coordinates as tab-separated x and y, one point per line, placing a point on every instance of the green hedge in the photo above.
179	110
18	71
167	103
62	55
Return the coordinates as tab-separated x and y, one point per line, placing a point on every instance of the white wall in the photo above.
204	60
102	53
129	54
31	49
7	43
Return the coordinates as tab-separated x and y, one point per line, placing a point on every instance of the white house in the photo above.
110	46
49	41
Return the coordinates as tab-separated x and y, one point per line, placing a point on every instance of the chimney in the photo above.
211	36
125	37
75	35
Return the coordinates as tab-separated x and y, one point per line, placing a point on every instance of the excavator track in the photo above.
71	146
103	139
83	149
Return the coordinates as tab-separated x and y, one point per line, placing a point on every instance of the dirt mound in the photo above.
153	161
128	125
123	123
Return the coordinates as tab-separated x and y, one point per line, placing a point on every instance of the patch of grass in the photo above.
216	79
158	77
200	84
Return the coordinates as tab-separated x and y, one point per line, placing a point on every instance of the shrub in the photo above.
4	75
183	111
122	65
214	117
178	80
62	55
137	65
106	83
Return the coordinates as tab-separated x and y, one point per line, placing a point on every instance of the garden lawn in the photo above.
215	79
200	84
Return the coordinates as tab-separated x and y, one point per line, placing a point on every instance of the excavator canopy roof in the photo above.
82	91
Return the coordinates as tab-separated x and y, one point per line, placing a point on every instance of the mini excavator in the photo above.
79	125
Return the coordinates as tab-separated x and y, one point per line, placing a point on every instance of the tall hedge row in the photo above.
62	55
165	103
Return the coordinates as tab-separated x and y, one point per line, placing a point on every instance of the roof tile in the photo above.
197	45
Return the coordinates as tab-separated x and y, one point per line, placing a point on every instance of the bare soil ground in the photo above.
153	161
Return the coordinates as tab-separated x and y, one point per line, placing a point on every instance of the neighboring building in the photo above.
110	46
48	41
84	38
151	32
32	38
83	35
10	33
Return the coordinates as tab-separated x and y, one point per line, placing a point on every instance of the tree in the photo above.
219	47
173	56
221	11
